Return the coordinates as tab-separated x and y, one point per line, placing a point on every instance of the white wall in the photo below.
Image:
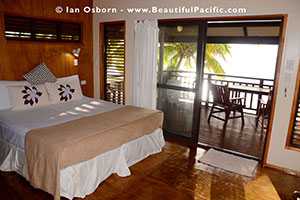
278	155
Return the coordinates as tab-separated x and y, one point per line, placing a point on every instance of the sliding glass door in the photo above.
229	50
179	73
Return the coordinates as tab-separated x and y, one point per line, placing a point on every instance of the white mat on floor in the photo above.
229	162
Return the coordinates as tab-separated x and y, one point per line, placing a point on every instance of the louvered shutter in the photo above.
295	134
114	35
18	27
70	31
44	30
25	28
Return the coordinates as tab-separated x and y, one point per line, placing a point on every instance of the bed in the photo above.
80	179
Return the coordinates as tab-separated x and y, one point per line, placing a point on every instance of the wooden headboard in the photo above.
19	57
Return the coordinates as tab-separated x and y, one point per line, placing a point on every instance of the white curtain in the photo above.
145	63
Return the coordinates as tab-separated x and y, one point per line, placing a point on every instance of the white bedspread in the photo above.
15	124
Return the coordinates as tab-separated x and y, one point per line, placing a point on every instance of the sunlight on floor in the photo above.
261	186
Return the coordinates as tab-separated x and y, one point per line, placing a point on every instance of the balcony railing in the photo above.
115	92
185	80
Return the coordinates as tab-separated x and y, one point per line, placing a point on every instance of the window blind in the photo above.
114	35
25	28
295	122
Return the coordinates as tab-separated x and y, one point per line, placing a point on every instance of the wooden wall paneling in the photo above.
18	57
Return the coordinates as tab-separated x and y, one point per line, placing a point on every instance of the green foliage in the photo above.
176	53
212	52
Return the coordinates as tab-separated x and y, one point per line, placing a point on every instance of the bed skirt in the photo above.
83	178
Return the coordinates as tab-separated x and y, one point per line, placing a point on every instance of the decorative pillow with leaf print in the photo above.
27	96
31	95
64	90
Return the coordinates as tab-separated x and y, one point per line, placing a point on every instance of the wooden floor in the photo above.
170	176
247	140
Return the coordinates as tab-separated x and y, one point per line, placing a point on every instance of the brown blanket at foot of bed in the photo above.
50	149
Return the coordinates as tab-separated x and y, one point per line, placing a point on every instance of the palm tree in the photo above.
213	51
176	53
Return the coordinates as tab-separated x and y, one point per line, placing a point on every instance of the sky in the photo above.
251	60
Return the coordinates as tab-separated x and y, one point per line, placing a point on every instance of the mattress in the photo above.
83	178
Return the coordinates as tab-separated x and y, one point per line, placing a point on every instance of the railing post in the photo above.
208	88
261	85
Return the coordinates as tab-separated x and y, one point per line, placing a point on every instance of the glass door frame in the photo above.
201	44
200	67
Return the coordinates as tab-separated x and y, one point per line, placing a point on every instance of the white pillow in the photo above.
28	96
64	90
5	103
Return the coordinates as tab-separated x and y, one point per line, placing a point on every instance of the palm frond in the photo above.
177	52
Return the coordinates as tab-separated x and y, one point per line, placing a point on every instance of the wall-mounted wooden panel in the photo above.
18	57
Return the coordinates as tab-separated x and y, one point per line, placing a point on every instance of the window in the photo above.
31	29
293	139
251	31
114	62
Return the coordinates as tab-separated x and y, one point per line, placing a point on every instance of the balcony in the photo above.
176	92
185	81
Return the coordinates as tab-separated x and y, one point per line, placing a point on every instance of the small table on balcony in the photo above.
249	89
